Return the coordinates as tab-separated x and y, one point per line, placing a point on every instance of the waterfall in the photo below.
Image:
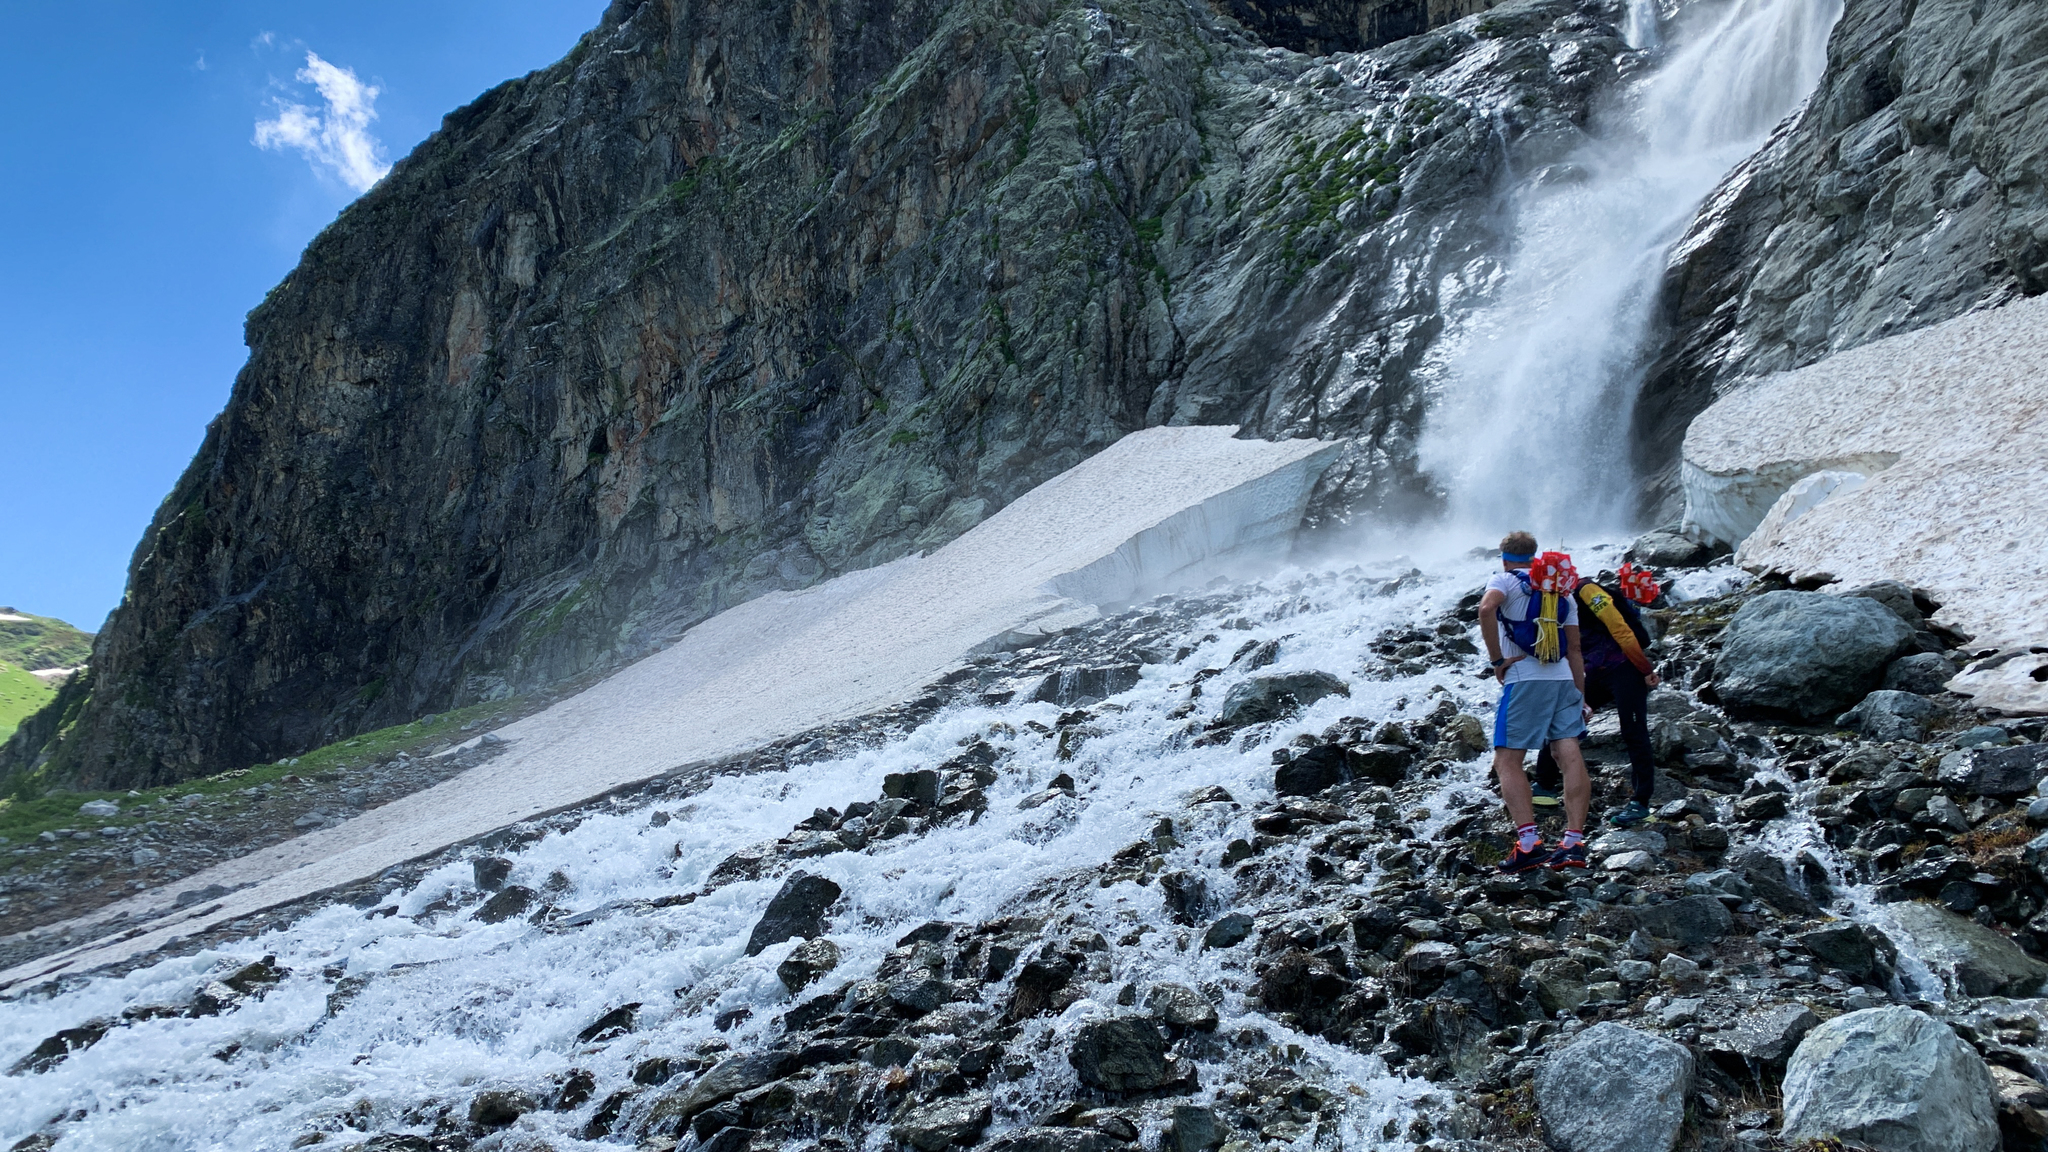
1531	426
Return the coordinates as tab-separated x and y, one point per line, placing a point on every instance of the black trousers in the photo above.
1624	688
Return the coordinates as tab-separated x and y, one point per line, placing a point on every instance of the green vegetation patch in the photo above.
34	642
21	696
25	817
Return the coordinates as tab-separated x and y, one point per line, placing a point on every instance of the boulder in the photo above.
1560	984
920	787
1888	714
1971	959
1228	931
1806	655
1125	1054
1310	771
1844	946
512	900
944	1123
1379	763
726	1079
798	909
1071	686
497	1108
1903	602
1893	1078
1669	550
1181	1007
2021	1103
1687	921
490	872
99	808
1045	1139
1614	1089
806	962
1761	1040
1194	1129
2001	773
1767	878
1264	698
1923	672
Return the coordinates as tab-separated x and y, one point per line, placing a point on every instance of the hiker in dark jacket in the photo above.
1618	672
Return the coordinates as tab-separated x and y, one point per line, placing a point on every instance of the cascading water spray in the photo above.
1549	371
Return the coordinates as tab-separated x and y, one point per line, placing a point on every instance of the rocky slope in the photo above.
1913	188
731	299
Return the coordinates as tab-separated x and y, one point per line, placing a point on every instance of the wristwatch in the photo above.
1498	661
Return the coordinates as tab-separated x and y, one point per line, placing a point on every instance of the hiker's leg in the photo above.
1514	785
1546	770
1632	703
1578	788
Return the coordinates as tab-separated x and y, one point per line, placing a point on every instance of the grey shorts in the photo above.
1532	713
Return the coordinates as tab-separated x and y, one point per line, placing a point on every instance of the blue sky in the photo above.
140	221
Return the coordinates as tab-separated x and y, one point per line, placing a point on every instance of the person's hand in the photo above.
1585	713
1501	673
1653	679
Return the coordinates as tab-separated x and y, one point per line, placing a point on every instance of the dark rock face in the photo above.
1806	654
1908	192
1322	26
1264	698
2000	772
708	309
1124	1054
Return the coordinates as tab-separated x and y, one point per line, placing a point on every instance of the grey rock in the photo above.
1627	840
1889	714
726	1079
1680	1011
1763	806
1971	959
918	995
1768	878
1310	771
1194	1128
1228	931
1379	763
922	786
1614	1089
99	808
1726	884
1923	672
499	1107
1264	698
1903	601
1125	1054
1805	655
143	857
944	1123
1688	920
798	909
1560	984
1070	686
2002	773
513	900
1681	973
1844	946
806	963
1181	1006
1669	550
1762	1039
1981	736
1893	1078
1046	1139
490	872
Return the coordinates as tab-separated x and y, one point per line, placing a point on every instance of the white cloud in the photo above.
335	139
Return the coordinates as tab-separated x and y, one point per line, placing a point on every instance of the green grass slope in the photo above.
20	695
34	642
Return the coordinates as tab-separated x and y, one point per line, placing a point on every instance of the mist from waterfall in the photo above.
1531	425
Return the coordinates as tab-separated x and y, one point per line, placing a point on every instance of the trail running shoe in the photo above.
1545	797
1633	812
1519	861
1563	858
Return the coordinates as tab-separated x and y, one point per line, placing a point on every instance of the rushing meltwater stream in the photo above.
1532	424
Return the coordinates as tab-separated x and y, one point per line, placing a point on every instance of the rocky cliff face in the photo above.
733	298
1913	188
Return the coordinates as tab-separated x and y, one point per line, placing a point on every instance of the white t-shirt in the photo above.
1517	607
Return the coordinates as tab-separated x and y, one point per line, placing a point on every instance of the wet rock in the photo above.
2022	1108
1767	877
1194	1129
1763	806
1180	1006
1681	973
727	1079
1894	1078
250	977
1071	686
490	872
1310	771
731	1138
1614	1089
611	1025
1034	987
1924	673
1046	1139
1125	1054
1761	1040
1806	655
1687	921
944	1123
514	900
1185	896
1228	931
920	787
1888	714
1844	946
1264	698
1971	959
1304	984
1379	763
1680	1011
496	1109
806	962
919	995
1560	984
53	1050
798	909
2001	773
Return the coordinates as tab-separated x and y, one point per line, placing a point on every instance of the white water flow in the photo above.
1532	425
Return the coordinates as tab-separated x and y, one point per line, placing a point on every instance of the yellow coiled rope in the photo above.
1548	646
